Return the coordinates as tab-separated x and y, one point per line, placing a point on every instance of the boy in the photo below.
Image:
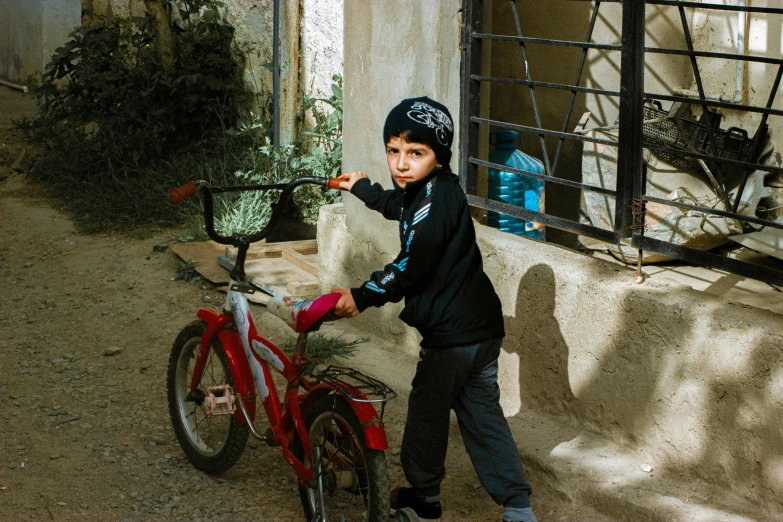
452	303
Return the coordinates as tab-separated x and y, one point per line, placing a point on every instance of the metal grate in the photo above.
727	156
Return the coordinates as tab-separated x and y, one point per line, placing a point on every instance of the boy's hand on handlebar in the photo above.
345	307
349	178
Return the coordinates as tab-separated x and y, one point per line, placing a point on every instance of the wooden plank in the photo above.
297	259
269	267
205	253
307	246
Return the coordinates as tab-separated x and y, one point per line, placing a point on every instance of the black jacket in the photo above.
439	270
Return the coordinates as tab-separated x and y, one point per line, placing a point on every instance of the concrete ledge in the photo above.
604	377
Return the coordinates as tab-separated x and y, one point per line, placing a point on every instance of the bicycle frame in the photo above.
249	357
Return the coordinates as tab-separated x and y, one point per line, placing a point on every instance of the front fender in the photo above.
235	354
372	426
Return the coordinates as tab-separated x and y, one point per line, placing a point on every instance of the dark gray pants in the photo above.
464	379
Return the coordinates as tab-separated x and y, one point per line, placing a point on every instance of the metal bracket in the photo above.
242	288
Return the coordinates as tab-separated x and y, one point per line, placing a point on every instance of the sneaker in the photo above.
522	514
407	498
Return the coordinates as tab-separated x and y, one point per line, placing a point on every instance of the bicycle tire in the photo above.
359	490
212	443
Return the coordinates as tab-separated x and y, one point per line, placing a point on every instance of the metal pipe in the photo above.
536	114
276	74
716	7
249	423
548	220
470	64
629	154
301	344
22	88
571	100
740	89
543	177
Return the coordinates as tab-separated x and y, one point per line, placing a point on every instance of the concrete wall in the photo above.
393	50
321	45
679	379
30	31
688	383
763	37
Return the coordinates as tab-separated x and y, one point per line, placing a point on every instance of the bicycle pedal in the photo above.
220	400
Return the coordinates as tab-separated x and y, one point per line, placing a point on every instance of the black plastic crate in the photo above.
732	143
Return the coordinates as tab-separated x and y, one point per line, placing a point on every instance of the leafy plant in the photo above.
116	124
316	153
119	128
321	348
186	271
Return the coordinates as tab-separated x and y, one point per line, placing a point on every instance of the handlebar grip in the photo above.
333	183
176	195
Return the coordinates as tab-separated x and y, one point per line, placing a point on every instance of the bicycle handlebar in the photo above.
334	183
177	194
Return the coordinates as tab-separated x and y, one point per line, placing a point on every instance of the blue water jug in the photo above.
514	189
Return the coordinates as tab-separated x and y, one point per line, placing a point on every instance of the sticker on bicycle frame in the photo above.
268	355
242	321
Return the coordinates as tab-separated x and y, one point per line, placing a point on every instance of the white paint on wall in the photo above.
30	31
757	36
321	45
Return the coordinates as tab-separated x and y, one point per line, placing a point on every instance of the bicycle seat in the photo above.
304	315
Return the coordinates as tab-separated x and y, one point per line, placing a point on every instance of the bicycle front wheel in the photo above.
212	443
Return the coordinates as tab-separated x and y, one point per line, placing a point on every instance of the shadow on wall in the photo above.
697	392
534	336
691	394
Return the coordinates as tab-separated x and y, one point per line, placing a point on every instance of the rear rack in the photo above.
353	384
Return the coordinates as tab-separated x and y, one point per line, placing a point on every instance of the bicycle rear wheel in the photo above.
212	443
350	478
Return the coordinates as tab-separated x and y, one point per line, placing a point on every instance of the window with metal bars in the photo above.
616	99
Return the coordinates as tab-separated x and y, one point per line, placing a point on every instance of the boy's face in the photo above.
409	162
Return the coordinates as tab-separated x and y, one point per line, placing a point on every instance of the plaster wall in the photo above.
682	380
689	383
30	31
717	31
393	50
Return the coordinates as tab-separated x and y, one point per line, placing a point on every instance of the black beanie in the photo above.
425	118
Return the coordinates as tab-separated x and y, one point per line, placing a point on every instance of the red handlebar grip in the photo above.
176	195
334	183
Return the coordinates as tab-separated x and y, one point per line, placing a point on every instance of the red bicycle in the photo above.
326	424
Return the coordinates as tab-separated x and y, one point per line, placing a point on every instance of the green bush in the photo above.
108	75
118	129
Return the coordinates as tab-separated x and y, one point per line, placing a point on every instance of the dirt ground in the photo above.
86	324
